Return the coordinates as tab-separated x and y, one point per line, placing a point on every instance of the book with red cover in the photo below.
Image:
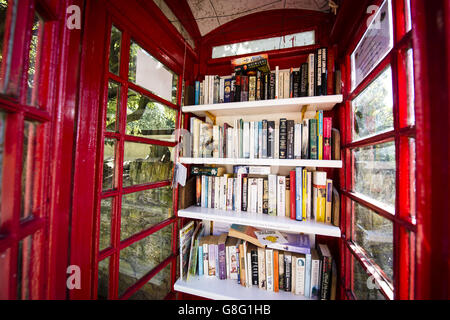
327	138
292	191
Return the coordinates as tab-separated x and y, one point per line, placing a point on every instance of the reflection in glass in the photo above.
361	290
34	60
373	108
23	268
141	257
145	163
412	178
375	235
103	279
28	169
149	73
375	172
143	209
157	288
409	61
112	116
109	159
149	119
114	50
2	141
106	207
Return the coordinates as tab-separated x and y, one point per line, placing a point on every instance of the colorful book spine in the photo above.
298	193
319	195
198	191
222	256
227	90
307	291
260	140
327	138
276	281
290	139
319	118
200	260
197	92
305	139
304	191
329	199
313	139
293	182
281	196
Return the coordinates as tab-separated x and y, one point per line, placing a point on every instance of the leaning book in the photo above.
185	245
298	243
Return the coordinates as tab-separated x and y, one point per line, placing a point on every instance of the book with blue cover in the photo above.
298	193
308	275
197	92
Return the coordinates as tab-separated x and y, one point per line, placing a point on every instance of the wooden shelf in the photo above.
265	162
261	107
214	288
259	220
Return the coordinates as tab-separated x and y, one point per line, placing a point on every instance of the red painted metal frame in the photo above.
403	225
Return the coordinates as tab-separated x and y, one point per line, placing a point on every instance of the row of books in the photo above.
255	81
302	195
266	139
285	264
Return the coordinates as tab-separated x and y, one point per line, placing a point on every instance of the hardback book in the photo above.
210	192
276	281
324	71
287	271
307	289
270	139
265	202
254	264
246	139
335	219
313	139
261	268
208	171
329	201
318	63
244	197
230	187
319	195
287	193
272	201
305	139
311	74
269	269
227	90
303	80
296	242
281	276
292	193
252	88
198	191
290	139
222	256
260	195
327	138
326	258
300	266
299	193
319	117
283	138
264	139
297	141
281	196
186	235
335	144
246	233
315	275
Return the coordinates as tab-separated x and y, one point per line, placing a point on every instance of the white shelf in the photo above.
214	288
265	162
260	107
259	220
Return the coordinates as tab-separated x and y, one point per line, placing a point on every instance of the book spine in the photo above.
244	196
259	89
272	203
249	269
319	195
211	260
270	139
298	193
281	276
264	139
320	135
260	194
252	140
227	90
277	76
198	191
298	141
227	260
211	193
309	196
290	139
216	192
329	197
326	279
324	71
287	271
327	138
276	153
205	258
261	268
230	194
244	88
307	290
313	139
254	264
272	79
201	99
283	138
246	140
300	276
276	280
315	279
221	89
311	74
318	89
237	88
265	196
197	92
260	140
251	88
200	260
255	139
286	84
281	196
287	193
304	191
296	84
266	86
293	182
269	269
305	139
304	80
233	263
222	261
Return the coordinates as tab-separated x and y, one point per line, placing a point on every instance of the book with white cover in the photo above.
210	184
260	170
216	140
281	196
222	193
300	262
217	192
230	145
252	140
269	269
230	189
261	268
297	141
253	192
260	182
272	203
246	140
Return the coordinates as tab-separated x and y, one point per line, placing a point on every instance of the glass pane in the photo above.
145	163
106	208
3	35
112	107
2	141
34	60
157	288
103	279
372	108
149	119
109	160
375	172
363	286
28	169
143	209
408	15
151	74
409	60
276	43
114	50
141	257
412	178
23	268
375	235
